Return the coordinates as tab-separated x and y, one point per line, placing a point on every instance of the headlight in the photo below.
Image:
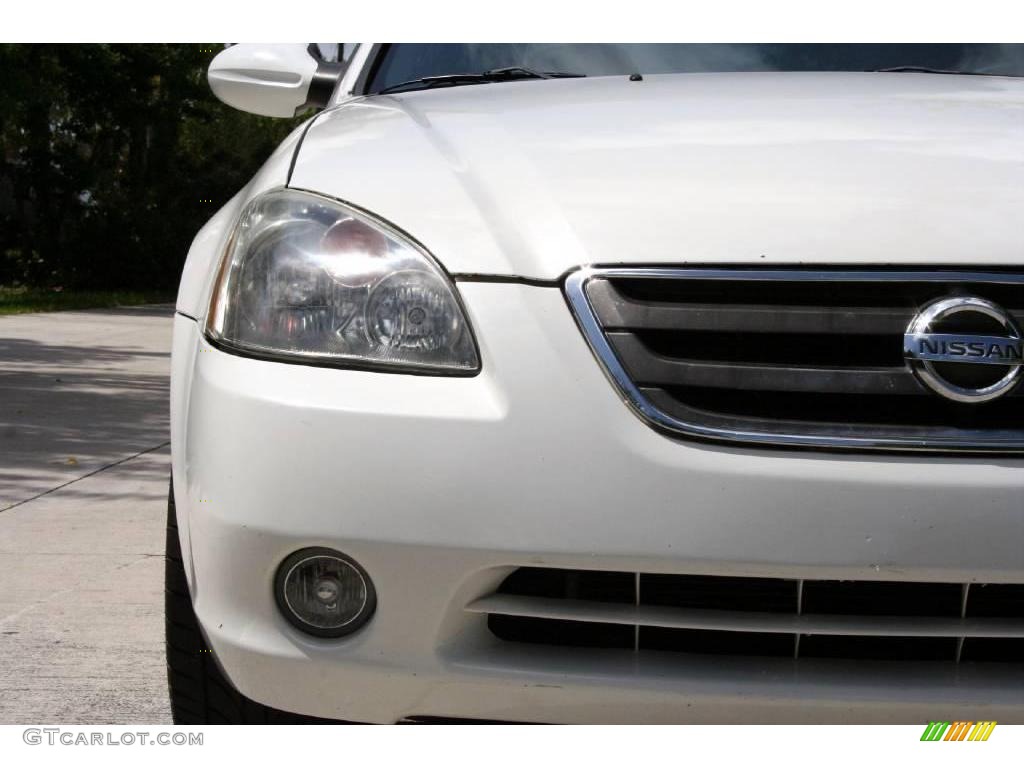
313	280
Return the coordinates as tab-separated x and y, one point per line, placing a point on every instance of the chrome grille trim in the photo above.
780	433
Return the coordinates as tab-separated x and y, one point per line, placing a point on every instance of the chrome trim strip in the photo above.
959	441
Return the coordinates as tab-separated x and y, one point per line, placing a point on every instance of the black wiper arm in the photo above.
928	70
524	73
430	82
501	75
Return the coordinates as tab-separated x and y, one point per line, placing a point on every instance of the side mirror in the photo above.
272	80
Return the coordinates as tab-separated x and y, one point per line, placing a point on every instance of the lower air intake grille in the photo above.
797	358
907	621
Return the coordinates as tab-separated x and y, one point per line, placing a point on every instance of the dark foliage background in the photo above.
113	156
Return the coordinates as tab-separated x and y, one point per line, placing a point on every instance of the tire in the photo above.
199	692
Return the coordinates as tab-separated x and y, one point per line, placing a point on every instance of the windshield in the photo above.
409	61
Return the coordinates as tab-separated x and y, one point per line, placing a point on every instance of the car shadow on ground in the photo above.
68	409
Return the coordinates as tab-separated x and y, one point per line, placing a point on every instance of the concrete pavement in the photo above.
84	464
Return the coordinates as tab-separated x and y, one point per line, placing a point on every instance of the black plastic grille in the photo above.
815	357
549	606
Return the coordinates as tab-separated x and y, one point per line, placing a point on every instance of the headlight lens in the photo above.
309	278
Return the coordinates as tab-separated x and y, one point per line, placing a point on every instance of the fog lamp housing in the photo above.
324	593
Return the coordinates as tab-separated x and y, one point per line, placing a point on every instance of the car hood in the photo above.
534	178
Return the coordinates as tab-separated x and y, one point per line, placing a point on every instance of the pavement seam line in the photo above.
87	475
32	606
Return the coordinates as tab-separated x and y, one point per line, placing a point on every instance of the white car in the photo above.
685	391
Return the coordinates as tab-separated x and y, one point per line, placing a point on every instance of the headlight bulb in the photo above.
412	310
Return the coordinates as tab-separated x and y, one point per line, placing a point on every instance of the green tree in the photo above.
109	154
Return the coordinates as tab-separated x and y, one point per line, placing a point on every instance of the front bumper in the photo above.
439	487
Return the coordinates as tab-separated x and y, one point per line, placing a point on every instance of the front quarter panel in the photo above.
193	298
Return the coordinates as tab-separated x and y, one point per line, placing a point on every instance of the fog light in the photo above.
324	593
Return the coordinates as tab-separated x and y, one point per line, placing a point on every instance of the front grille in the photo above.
790	357
757	617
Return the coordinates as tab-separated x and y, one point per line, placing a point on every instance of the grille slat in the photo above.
791	357
648	368
789	417
757	617
739	621
618	311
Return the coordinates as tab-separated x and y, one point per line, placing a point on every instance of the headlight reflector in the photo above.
312	279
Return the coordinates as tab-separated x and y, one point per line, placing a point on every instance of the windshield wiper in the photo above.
929	71
501	75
